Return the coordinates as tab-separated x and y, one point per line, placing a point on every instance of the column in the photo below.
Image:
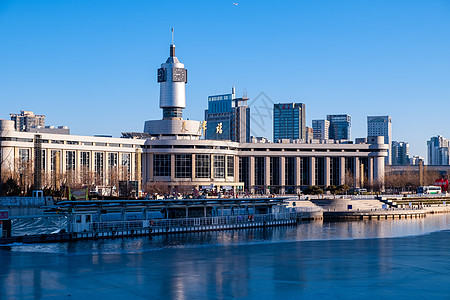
150	167
342	170
378	170
172	168
327	171
370	168
251	174
357	174
282	175
267	173
297	174
212	167
193	167
312	170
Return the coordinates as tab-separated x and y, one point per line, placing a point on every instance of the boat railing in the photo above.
182	222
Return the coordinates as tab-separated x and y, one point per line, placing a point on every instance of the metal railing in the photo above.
22	201
182	222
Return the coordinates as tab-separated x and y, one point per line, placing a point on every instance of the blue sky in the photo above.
91	65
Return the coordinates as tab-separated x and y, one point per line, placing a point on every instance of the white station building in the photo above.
174	154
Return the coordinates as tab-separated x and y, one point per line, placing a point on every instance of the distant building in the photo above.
321	129
309	133
50	129
381	126
26	120
228	118
289	121
438	151
340	127
400	153
360	140
415	160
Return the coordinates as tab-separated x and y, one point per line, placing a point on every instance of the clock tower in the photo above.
172	77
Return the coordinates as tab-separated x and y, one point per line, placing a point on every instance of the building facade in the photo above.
171	153
381	126
228	118
27	120
321	129
340	127
289	121
438	151
400	153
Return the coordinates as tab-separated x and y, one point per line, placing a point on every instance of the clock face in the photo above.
179	75
162	75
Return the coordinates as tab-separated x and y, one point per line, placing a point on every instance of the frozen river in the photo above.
407	258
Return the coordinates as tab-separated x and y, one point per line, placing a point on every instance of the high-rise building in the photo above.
228	118
400	153
27	120
415	160
321	129
438	151
309	133
340	127
381	126
289	121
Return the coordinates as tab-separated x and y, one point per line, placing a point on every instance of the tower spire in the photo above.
172	47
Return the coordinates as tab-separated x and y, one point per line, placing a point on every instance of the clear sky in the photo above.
91	65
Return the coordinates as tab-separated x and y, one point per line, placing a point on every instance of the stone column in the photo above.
251	174
312	170
172	168
297	174
342	170
327	171
357	173
370	168
193	167
378	171
282	175
267	173
150	167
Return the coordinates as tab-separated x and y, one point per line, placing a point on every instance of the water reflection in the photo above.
312	259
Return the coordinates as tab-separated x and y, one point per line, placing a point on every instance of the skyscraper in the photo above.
321	129
381	126
289	121
400	153
228	118
27	120
340	127
438	151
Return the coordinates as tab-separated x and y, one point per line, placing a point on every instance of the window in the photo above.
70	160
183	166
230	166
24	155
112	160
161	165
126	166
202	166
98	163
55	162
85	159
219	166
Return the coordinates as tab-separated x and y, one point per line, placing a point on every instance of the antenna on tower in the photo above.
172	35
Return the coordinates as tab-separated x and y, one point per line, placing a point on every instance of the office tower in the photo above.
340	127
415	160
400	153
381	126
309	133
27	120
321	129
289	121
438	151
228	118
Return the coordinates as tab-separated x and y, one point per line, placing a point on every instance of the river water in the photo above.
345	260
